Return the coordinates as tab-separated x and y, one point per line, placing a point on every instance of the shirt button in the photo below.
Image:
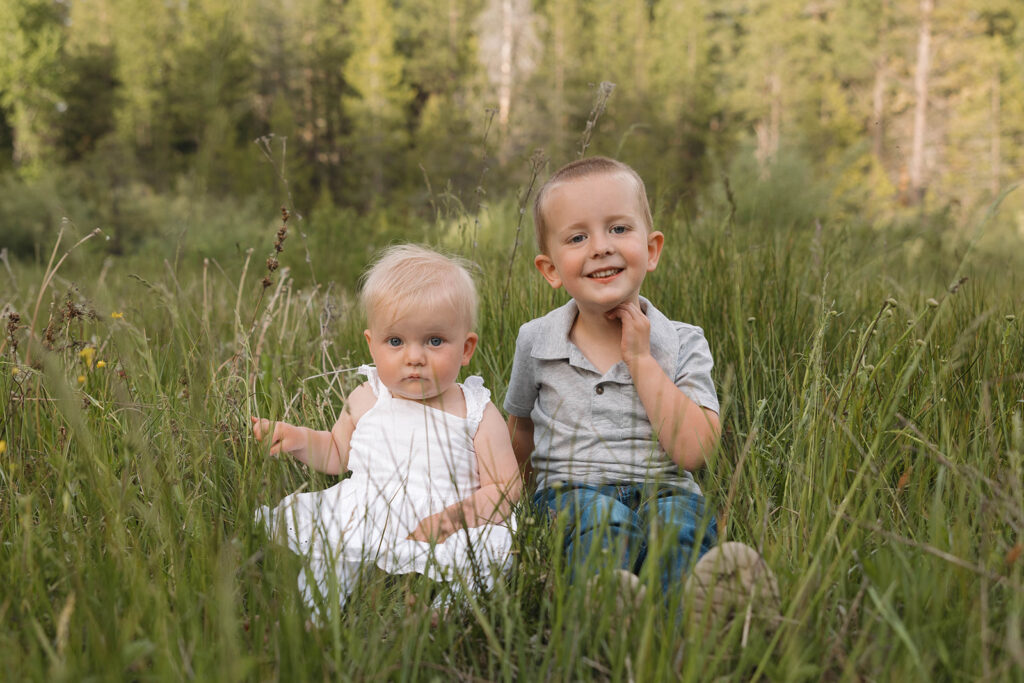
599	390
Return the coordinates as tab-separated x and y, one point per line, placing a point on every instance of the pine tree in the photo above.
437	40
379	103
31	40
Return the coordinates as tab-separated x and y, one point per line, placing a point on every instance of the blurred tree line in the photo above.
362	105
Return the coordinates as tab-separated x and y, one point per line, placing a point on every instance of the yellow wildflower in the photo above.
15	371
101	363
3	446
87	354
117	315
81	379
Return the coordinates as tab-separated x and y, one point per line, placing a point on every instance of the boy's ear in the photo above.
469	347
547	268
655	241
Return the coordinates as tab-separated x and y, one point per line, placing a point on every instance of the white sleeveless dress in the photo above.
408	461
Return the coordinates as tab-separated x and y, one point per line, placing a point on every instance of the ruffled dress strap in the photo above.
477	396
373	379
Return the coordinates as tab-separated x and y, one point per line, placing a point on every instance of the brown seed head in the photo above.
13	323
956	285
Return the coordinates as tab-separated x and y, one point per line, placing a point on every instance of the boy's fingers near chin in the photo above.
617	312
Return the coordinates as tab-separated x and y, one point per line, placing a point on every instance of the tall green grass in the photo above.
873	450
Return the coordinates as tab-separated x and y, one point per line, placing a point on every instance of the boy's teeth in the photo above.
605	273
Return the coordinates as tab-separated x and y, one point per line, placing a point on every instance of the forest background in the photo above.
838	183
152	119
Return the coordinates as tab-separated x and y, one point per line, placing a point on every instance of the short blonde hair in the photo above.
411	276
583	168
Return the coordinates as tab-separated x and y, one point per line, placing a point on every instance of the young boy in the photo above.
610	403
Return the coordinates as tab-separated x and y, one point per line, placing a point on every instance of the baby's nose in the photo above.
414	354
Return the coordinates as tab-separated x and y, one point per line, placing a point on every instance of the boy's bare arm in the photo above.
520	429
687	432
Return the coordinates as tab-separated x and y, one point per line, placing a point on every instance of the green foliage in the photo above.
31	42
387	103
873	450
131	217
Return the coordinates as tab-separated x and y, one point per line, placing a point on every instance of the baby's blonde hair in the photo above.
582	168
410	276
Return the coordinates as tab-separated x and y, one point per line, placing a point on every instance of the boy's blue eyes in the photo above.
615	230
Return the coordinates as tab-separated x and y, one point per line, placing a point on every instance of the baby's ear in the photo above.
469	347
547	268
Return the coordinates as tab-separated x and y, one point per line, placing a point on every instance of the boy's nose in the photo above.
601	246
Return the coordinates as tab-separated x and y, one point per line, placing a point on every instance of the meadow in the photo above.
872	400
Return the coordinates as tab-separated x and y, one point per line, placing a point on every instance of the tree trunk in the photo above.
769	131
505	81
878	108
924	38
558	106
994	144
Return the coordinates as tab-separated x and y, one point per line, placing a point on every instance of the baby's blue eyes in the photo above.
619	229
395	342
576	239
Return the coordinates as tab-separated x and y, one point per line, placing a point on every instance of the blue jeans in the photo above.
623	525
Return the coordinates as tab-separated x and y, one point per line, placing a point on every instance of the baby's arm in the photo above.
687	431
500	485
324	451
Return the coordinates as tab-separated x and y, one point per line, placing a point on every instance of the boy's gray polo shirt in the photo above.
591	428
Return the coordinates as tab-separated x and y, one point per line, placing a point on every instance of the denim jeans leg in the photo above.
596	521
681	521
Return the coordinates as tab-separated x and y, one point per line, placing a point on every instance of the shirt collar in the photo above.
554	344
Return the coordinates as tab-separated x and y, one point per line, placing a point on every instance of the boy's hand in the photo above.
284	438
435	528
636	331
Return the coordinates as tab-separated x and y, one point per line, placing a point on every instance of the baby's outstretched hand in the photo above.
284	437
435	528
636	331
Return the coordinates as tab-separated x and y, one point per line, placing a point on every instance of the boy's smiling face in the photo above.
599	247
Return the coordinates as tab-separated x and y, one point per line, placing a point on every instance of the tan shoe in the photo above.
733	581
625	589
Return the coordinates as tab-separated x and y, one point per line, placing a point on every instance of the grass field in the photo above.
873	406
